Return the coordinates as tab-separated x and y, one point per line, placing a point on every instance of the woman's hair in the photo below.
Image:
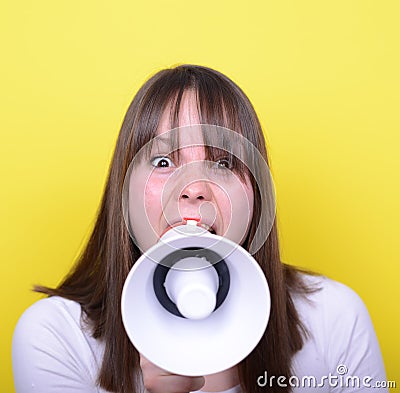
97	279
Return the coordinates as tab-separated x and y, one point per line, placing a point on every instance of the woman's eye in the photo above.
162	162
223	163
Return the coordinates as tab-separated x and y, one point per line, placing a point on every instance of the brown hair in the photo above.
97	279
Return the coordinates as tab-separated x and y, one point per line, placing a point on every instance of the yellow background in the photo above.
323	76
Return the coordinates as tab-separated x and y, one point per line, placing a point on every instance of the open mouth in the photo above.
207	227
201	224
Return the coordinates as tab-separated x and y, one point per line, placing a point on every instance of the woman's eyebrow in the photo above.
175	144
161	141
165	140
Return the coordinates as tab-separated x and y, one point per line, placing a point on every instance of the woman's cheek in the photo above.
144	208
237	212
153	203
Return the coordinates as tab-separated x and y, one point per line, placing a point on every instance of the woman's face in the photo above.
164	192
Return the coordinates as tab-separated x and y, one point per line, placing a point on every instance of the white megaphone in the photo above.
195	303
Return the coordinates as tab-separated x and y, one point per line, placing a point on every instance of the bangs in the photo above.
219	128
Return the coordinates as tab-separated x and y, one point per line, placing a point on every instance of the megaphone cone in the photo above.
195	303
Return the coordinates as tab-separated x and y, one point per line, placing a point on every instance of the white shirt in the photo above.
54	352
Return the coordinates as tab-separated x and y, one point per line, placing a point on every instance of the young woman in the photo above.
74	340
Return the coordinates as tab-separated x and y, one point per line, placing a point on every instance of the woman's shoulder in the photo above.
340	331
52	336
331	305
50	321
55	322
52	312
326	292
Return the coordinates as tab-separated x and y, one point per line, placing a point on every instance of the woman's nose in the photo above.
196	191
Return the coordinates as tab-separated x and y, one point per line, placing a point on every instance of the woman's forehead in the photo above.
188	113
179	139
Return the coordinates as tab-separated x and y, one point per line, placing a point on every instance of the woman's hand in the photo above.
157	380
